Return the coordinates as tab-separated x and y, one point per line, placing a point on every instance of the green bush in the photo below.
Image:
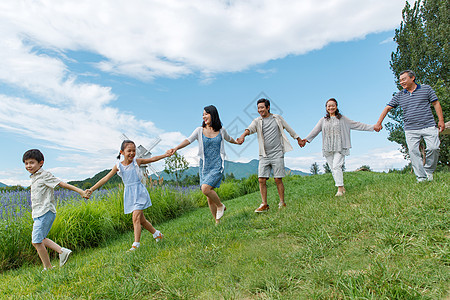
83	224
15	243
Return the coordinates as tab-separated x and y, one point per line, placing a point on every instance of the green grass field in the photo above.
388	238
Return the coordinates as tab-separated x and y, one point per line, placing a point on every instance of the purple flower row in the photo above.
13	204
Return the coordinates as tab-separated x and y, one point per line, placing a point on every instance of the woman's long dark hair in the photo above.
215	120
327	115
124	145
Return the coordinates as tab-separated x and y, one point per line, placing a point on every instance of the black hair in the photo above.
33	154
215	119
124	145
265	101
337	113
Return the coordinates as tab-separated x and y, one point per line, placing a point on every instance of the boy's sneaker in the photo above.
158	236
64	256
430	176
262	208
133	248
281	205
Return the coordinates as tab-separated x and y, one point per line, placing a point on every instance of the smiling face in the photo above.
331	107
129	152
32	165
407	82
207	118
263	110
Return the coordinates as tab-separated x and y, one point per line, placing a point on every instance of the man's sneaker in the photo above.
262	208
158	236
64	256
281	205
430	176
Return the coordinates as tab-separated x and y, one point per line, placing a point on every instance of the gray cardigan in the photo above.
346	125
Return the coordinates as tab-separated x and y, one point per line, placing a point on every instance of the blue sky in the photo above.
75	75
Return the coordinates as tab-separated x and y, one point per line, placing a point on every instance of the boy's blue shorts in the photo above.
41	227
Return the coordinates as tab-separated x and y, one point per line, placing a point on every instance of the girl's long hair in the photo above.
124	145
216	124
327	115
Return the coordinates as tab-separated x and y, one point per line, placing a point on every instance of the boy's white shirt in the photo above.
256	126
42	193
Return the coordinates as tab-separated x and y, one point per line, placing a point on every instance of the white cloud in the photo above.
145	39
148	39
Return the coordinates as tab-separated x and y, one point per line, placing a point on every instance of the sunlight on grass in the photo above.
388	238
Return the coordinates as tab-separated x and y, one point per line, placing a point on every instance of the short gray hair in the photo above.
411	74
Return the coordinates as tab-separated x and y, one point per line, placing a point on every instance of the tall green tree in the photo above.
423	46
315	169
176	165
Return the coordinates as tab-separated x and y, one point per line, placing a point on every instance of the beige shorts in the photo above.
266	165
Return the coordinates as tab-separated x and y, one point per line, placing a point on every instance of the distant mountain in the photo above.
2	185
239	170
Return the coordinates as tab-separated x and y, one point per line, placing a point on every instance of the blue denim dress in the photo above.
211	170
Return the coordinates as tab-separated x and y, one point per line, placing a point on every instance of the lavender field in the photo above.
14	204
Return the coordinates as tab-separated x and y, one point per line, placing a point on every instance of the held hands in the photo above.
240	140
301	142
170	152
87	193
377	127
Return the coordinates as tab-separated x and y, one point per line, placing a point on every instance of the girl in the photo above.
136	197
336	140
211	150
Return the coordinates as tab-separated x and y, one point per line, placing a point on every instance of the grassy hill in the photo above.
388	238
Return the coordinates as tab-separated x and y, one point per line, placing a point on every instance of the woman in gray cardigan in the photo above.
336	143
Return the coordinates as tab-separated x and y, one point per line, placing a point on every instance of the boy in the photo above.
43	206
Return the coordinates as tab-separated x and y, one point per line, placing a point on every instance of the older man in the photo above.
419	123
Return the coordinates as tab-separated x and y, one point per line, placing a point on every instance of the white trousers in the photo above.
431	137
335	161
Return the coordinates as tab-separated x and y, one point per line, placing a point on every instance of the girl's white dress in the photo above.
135	195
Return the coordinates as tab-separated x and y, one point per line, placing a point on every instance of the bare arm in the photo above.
144	161
104	179
180	146
378	126
72	188
241	139
438	109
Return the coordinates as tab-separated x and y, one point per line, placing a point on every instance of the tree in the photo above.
314	169
176	165
327	169
423	46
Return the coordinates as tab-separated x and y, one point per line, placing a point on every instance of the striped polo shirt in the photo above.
416	107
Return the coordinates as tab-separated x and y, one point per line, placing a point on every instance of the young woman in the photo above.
211	150
336	143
